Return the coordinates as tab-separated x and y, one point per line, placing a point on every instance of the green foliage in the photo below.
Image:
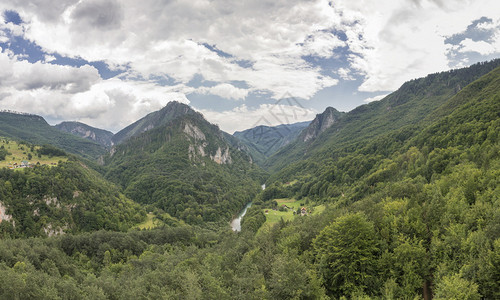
100	136
253	220
263	141
455	287
412	213
3	153
345	254
34	129
50	151
164	167
413	102
67	198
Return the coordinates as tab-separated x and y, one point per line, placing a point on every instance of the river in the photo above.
236	223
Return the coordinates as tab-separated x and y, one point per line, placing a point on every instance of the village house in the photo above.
303	211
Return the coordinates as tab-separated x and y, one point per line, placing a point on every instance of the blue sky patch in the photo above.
11	16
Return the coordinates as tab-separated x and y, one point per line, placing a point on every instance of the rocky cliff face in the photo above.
3	215
97	135
321	123
222	157
199	144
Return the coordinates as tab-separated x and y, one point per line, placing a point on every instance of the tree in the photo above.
346	254
291	279
455	287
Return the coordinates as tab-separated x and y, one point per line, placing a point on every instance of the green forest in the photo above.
157	169
70	197
35	130
412	209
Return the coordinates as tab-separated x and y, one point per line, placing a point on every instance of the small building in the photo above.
303	211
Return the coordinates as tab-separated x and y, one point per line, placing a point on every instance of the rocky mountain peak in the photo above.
321	123
170	112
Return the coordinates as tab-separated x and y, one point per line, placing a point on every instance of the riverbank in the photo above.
236	222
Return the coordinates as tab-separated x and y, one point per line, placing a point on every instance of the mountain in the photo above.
320	123
67	198
155	119
34	129
262	141
183	165
97	135
392	211
413	102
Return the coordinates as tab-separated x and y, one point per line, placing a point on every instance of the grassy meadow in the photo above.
21	152
274	216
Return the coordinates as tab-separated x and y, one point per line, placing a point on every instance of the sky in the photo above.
240	63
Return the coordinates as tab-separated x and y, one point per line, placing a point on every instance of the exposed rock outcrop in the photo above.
85	131
194	132
3	215
222	157
321	123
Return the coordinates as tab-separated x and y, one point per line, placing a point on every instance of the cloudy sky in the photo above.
241	63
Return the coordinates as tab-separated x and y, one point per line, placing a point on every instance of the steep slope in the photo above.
427	191
185	167
410	214
410	104
68	198
452	124
85	131
155	119
320	123
263	141
34	129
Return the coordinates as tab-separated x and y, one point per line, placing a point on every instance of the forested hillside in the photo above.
186	168
411	103
424	200
263	141
411	209
67	198
34	129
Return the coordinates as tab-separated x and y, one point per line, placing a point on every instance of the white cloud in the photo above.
165	39
70	93
322	44
3	37
224	90
376	98
49	58
114	104
397	41
242	117
389	42
345	74
25	76
480	47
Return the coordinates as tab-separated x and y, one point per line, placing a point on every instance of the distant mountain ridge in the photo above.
34	129
82	130
262	141
414	101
